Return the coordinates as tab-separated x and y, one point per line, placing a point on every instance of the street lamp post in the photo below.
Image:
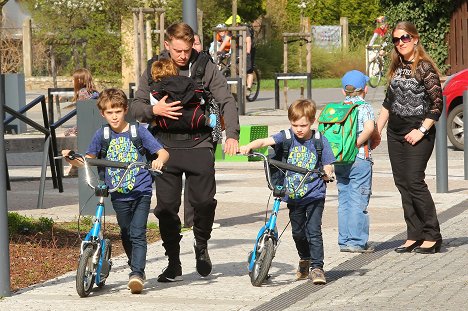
4	243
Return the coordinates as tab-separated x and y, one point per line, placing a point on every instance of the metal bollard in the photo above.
465	138
441	152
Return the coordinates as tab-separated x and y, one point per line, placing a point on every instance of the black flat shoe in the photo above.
409	249
429	250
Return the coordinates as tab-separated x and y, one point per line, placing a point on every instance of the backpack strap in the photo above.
148	68
136	139
105	140
318	144
198	69
286	144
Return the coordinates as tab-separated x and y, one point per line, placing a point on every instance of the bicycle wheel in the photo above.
255	89
85	273
262	264
106	264
375	73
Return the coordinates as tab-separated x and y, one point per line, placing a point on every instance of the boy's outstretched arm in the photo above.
258	143
78	162
162	158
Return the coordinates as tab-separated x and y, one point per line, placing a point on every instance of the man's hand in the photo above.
231	146
168	110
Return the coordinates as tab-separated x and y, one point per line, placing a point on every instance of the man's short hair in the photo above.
180	31
302	108
112	98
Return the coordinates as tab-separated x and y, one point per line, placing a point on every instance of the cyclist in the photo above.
132	200
380	31
250	51
307	203
378	38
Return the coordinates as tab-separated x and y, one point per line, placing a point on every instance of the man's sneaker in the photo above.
317	276
172	273
136	284
302	272
204	265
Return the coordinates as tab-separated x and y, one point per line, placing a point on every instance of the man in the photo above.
191	153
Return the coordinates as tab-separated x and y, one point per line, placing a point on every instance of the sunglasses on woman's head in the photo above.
405	39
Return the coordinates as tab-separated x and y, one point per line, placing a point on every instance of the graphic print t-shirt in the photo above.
302	153
138	181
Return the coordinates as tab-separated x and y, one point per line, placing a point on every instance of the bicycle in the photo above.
376	65
224	65
267	241
95	262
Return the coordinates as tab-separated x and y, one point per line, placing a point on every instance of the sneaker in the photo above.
136	284
357	249
172	273
204	265
317	276
302	272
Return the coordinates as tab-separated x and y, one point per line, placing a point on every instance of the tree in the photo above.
78	27
431	18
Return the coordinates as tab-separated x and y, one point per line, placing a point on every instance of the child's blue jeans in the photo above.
132	217
306	225
354	182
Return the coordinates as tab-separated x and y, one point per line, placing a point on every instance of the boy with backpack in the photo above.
349	126
307	149
131	201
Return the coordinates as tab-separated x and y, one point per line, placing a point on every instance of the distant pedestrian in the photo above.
412	105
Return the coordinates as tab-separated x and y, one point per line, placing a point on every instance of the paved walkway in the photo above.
383	280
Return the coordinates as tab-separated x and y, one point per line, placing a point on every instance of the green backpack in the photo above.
338	123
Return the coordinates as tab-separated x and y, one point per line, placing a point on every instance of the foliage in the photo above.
19	224
431	18
324	63
83	33
286	15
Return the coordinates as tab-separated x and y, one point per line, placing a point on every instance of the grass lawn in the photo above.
269	84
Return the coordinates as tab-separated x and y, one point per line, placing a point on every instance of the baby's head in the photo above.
163	68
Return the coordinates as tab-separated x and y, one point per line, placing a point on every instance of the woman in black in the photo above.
412	105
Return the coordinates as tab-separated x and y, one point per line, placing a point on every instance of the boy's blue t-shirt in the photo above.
302	153
138	181
365	113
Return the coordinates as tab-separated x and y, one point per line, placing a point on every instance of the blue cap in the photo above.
356	79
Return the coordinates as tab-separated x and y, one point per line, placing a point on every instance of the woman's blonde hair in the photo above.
419	51
82	79
163	68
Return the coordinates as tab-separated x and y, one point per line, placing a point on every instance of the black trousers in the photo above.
408	166
198	166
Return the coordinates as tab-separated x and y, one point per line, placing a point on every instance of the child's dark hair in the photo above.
112	98
302	108
163	68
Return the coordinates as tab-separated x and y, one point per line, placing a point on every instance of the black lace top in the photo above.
411	99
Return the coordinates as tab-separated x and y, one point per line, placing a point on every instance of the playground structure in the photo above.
285	76
142	36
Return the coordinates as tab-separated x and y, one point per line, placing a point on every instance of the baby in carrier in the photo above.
195	112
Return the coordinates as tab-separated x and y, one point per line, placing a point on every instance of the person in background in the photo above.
380	31
83	89
412	105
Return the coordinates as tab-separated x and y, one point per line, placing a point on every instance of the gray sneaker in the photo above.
302	272
317	276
